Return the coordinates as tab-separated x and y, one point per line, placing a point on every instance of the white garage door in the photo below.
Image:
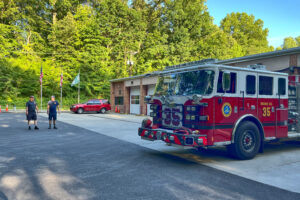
135	100
151	89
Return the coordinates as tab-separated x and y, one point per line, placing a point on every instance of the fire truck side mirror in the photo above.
226	80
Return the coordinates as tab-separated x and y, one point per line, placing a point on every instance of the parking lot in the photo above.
100	156
279	165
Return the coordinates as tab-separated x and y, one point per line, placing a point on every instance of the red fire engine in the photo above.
200	105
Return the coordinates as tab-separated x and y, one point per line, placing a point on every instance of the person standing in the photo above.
31	112
52	108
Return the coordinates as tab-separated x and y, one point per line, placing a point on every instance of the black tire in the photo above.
102	110
80	110
247	141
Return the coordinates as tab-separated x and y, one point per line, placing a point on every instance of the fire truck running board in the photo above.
293	135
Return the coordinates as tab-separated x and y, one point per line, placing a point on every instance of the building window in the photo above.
120	92
232	84
250	84
265	85
281	86
119	100
135	99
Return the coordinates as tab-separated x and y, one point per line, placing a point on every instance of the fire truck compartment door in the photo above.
281	122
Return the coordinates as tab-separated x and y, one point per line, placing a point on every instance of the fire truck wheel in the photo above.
246	142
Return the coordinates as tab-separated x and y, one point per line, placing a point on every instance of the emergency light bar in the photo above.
199	62
257	66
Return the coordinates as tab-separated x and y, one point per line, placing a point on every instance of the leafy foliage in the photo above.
290	42
248	32
99	37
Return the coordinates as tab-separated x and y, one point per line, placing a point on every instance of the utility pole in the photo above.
79	88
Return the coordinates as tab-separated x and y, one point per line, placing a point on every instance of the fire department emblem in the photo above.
226	109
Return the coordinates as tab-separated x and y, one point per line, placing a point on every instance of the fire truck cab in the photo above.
206	105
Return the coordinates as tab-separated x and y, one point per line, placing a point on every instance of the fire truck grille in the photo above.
172	116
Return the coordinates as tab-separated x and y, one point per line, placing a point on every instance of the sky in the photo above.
281	17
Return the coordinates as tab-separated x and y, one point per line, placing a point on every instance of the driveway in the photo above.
278	166
74	162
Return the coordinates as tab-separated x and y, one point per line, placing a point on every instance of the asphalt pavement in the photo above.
76	163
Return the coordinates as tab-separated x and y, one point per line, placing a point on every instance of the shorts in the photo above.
31	116
52	116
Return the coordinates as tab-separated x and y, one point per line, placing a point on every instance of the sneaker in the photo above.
29	127
36	128
49	127
55	127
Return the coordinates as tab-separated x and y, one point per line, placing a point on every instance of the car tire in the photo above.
80	110
102	110
247	141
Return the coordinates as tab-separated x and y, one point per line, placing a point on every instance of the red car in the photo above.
93	105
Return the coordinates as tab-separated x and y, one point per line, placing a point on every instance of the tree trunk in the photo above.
54	14
28	38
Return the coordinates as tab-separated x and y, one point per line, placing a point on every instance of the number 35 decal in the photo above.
266	111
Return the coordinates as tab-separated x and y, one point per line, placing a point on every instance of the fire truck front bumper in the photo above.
175	139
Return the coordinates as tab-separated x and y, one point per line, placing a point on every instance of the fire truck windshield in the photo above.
187	83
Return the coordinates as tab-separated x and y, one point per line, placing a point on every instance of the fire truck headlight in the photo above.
188	117
153	107
200	141
153	114
191	108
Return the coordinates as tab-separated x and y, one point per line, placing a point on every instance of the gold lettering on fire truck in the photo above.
266	103
266	110
226	109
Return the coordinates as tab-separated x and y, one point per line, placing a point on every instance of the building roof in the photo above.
271	54
261	56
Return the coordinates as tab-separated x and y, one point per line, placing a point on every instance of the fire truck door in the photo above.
281	122
267	104
282	108
248	93
226	108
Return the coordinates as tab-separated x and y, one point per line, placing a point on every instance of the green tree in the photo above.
100	36
247	31
298	40
289	42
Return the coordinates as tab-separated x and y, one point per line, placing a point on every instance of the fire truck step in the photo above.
293	135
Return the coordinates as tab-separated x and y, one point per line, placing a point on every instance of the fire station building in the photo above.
128	93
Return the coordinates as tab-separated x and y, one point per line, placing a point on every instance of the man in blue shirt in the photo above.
53	107
31	110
